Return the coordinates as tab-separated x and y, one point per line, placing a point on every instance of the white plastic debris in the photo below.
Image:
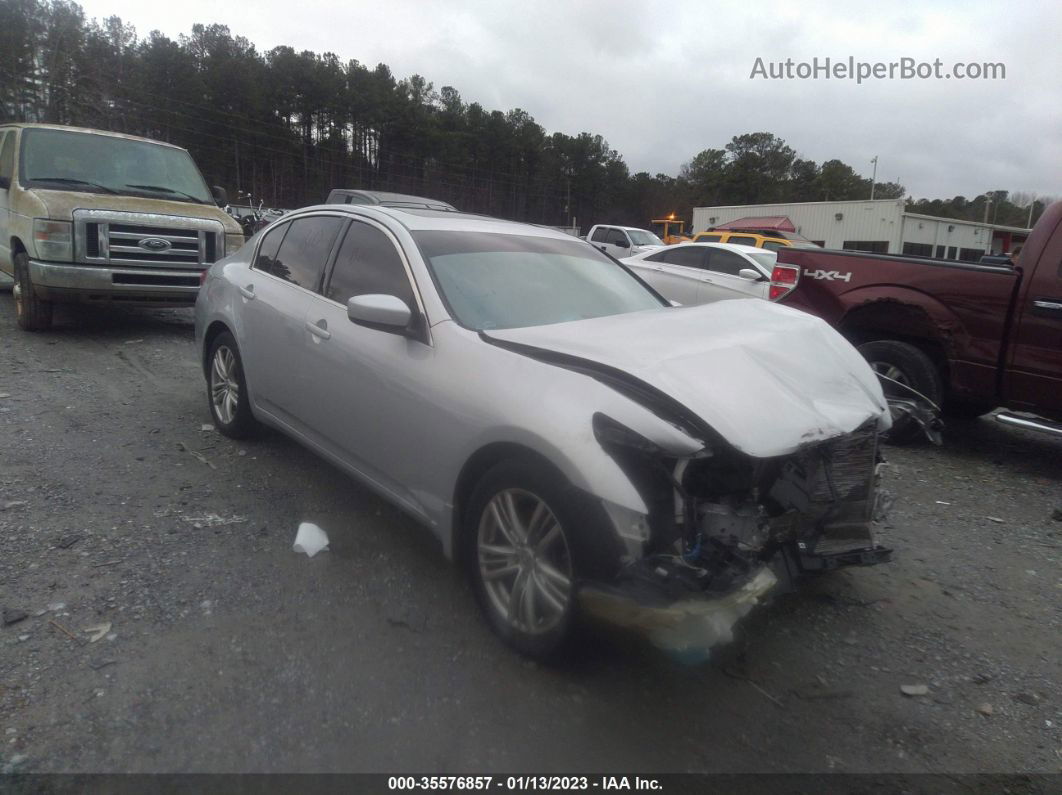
98	631
310	539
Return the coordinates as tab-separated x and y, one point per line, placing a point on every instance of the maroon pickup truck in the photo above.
968	337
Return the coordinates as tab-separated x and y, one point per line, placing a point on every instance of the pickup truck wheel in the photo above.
31	313
230	405
906	364
521	556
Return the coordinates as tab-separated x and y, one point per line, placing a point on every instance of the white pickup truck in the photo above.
622	241
95	216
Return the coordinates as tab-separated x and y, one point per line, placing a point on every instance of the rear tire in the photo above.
910	366
525	571
230	404
31	313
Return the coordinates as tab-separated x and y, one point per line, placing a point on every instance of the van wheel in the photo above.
909	366
31	312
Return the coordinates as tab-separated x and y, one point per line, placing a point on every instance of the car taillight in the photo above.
784	279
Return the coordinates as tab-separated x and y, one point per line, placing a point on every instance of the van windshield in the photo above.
65	160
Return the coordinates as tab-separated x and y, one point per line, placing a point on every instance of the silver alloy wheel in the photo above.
224	386
890	371
524	561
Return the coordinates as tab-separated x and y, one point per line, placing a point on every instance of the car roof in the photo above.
378	197
90	131
626	228
420	220
742	249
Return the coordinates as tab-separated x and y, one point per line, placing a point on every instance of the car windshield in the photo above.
496	281
61	159
640	237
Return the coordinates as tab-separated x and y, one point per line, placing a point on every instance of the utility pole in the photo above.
988	203
874	178
1028	224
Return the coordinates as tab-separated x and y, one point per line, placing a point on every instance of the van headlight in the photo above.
233	242
54	240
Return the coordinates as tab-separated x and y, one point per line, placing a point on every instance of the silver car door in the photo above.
721	280
371	409
279	290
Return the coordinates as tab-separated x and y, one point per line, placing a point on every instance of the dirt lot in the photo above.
229	652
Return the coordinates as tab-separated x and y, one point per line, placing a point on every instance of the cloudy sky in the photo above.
662	81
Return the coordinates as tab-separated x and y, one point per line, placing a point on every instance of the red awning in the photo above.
780	223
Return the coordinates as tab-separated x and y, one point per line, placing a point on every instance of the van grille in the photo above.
191	246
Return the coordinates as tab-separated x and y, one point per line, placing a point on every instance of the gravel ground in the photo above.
220	649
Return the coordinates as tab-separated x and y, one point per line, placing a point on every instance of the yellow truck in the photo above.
94	216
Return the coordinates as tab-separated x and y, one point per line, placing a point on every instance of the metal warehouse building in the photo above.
881	226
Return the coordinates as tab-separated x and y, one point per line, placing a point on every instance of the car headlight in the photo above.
54	240
233	242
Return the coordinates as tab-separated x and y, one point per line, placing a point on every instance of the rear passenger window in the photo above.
600	234
304	252
368	263
707	238
742	240
686	256
267	251
723	261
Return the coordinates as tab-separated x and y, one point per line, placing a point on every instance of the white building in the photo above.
881	226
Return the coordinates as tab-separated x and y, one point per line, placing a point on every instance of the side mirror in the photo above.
751	274
5	183
384	312
221	196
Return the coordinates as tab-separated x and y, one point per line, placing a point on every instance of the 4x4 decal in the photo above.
828	275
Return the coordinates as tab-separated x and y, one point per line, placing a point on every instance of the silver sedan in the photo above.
581	446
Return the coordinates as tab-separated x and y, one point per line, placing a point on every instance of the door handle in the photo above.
1048	305
247	292
319	329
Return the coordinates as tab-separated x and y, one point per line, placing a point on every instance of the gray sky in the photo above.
662	81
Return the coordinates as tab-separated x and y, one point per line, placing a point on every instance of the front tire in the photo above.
230	404
908	365
522	558
31	313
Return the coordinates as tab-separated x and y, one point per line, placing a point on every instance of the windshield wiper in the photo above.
71	181
164	189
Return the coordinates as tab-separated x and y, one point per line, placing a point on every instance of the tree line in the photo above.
286	127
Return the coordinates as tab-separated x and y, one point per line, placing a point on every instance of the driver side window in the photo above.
368	263
723	261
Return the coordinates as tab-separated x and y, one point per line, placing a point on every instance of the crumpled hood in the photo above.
767	378
60	206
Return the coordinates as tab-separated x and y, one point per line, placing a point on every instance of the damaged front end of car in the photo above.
724	529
